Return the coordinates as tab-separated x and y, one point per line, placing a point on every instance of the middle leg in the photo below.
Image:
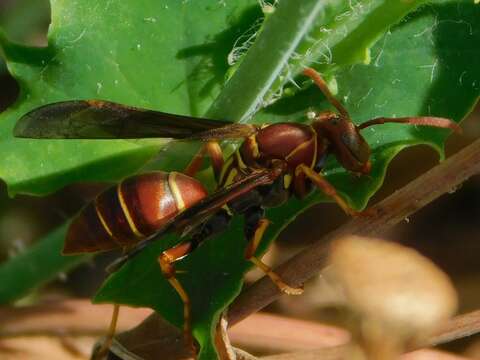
255	226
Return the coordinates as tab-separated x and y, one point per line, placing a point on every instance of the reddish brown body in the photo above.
131	211
295	144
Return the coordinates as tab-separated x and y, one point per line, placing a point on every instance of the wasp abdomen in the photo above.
127	213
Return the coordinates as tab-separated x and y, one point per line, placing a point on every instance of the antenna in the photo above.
419	120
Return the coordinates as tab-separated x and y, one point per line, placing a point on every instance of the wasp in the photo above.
273	163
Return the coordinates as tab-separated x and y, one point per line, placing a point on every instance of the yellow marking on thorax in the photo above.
231	176
299	147
127	214
176	191
102	220
241	164
304	145
254	146
287	181
224	169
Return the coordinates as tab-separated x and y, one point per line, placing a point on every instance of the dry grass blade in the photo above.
340	353
71	317
80	317
457	328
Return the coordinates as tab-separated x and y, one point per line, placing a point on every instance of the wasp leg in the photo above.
166	261
260	224
102	352
327	188
214	151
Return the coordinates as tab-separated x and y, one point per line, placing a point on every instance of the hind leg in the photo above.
102	352
166	261
105	348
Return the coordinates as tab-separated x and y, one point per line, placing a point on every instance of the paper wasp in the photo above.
273	163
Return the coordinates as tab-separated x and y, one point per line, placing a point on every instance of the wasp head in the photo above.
345	140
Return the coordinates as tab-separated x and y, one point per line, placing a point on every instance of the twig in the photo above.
441	179
70	317
459	327
269	333
80	317
341	353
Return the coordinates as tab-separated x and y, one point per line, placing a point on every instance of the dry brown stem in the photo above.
341	353
457	328
67	317
442	179
80	317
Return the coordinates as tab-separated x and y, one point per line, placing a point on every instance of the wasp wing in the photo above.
201	211
95	119
231	131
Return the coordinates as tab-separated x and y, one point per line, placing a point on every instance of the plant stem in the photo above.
81	318
341	353
457	328
442	179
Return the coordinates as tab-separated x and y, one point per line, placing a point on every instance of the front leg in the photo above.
303	172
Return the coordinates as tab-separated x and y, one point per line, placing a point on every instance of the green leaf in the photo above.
426	66
328	33
36	266
160	55
398	81
24	20
179	67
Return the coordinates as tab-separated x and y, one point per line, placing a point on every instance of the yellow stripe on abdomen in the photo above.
102	221
127	214
176	191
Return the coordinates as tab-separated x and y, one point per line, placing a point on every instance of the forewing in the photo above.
231	131
201	211
94	119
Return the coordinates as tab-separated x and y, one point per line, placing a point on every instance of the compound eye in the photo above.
356	145
349	141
